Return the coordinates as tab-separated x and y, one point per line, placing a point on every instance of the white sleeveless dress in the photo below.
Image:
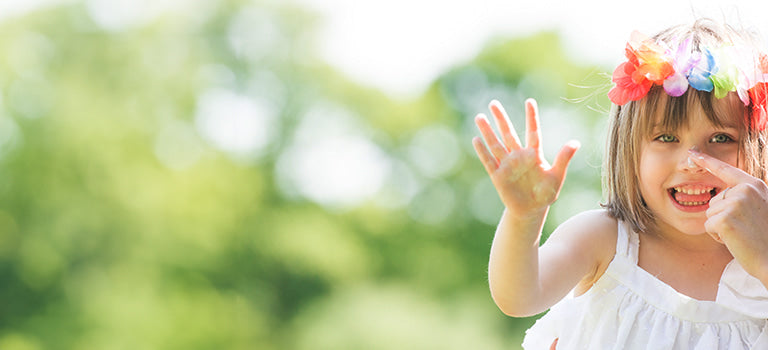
629	309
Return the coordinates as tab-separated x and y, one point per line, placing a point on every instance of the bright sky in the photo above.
400	46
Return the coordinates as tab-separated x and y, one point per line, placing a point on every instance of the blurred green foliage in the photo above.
127	223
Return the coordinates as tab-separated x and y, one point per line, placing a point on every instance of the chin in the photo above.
692	229
691	226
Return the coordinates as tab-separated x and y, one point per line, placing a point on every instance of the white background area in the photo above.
400	46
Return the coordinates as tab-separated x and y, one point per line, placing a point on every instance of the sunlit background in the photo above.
282	174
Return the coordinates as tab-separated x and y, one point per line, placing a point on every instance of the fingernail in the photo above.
696	153
691	164
574	143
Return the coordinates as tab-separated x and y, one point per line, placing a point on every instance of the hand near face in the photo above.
738	216
526	183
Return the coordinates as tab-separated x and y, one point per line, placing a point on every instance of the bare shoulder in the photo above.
592	234
595	226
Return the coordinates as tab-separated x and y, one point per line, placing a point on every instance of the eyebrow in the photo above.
724	125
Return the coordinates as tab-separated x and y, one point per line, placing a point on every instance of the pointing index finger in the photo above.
730	174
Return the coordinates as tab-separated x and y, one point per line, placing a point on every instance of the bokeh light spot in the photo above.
401	186
177	145
484	203
30	96
337	172
434	151
331	161
234	123
434	204
117	14
254	33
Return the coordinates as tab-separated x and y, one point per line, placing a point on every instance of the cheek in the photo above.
728	155
652	162
649	167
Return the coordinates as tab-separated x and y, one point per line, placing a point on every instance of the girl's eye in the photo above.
721	138
666	138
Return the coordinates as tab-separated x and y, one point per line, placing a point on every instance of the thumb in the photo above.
564	157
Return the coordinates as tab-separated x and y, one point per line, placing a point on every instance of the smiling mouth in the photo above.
691	197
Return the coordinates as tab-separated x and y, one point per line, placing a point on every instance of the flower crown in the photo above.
739	68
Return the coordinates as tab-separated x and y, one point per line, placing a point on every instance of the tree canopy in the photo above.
207	182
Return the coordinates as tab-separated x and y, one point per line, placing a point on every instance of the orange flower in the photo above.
647	64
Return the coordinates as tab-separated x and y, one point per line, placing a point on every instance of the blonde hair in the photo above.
633	123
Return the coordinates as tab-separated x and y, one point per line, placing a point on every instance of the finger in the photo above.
506	128
731	175
497	149
717	205
724	224
564	157
718	199
716	237
489	162
533	134
713	225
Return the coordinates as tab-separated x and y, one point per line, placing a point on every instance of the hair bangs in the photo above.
673	113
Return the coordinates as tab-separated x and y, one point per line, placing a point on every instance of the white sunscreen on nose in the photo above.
691	164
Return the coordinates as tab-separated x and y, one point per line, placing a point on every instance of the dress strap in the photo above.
627	242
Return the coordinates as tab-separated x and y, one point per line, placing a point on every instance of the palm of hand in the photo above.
524	180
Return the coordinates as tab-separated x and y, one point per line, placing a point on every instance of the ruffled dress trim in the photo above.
628	308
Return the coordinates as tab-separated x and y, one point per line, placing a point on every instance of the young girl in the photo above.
678	259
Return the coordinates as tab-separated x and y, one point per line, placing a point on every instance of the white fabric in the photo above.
742	292
629	309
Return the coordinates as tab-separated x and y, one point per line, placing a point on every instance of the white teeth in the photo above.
690	190
692	203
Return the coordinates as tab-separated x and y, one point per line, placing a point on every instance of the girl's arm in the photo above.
525	280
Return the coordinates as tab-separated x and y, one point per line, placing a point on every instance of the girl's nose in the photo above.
689	165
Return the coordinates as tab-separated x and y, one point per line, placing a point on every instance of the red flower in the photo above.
758	97
647	64
627	89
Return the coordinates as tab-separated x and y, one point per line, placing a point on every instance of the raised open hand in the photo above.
524	180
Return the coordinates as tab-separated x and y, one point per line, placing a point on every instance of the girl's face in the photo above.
675	190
